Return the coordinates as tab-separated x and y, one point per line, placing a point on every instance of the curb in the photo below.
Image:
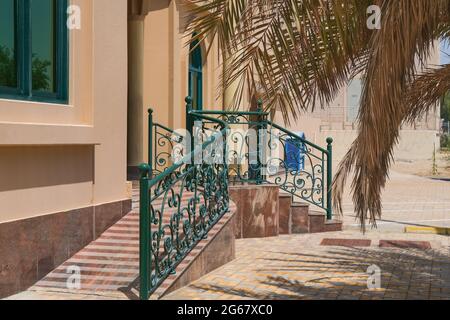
431	230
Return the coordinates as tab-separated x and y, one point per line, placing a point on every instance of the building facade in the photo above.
73	118
63	129
163	70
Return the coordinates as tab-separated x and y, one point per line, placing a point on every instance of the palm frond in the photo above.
294	52
406	37
425	91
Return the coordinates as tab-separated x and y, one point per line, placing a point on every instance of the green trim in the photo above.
196	74
145	234
23	54
329	178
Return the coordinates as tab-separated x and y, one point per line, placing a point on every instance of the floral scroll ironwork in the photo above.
181	200
178	208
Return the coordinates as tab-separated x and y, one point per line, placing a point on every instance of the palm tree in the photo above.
300	53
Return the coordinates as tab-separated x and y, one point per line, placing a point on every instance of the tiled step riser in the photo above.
285	202
298	218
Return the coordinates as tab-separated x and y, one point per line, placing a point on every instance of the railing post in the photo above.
150	141
329	178
260	156
144	234
189	125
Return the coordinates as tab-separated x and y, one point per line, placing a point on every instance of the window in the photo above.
34	50
353	100
196	76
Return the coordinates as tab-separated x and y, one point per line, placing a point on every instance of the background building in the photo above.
339	120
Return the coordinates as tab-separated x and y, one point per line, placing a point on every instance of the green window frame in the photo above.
196	75
30	69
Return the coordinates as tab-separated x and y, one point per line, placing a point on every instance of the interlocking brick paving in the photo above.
346	242
408	201
298	267
424	245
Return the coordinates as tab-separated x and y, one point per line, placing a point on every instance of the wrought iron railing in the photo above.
179	205
183	194
163	144
306	174
260	151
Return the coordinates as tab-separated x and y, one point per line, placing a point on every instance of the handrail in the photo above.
276	126
295	182
188	199
186	159
167	129
180	203
218	112
327	156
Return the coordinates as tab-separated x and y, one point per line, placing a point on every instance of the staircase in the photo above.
183	198
298	218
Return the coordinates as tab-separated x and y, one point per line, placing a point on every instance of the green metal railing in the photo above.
266	161
179	204
182	197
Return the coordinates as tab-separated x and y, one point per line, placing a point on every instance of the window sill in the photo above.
26	134
34	100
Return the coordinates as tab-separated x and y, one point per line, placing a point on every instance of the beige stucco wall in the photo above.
59	157
159	76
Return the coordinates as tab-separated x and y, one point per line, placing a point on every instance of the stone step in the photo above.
316	221
284	207
300	221
333	226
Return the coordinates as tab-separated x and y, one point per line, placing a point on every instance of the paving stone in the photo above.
298	267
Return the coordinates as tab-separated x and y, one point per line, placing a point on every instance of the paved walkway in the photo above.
299	267
409	200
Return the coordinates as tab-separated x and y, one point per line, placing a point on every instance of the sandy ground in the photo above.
424	168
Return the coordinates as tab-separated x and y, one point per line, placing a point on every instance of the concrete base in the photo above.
31	248
257	213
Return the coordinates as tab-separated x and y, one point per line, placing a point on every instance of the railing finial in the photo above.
188	101
259	104
329	140
150	111
144	169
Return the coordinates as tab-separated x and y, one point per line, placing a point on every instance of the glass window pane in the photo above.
43	45
353	96
8	71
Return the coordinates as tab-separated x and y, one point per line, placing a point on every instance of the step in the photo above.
284	207
333	225
319	223
316	221
300	218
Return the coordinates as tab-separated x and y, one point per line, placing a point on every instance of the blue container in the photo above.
295	151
